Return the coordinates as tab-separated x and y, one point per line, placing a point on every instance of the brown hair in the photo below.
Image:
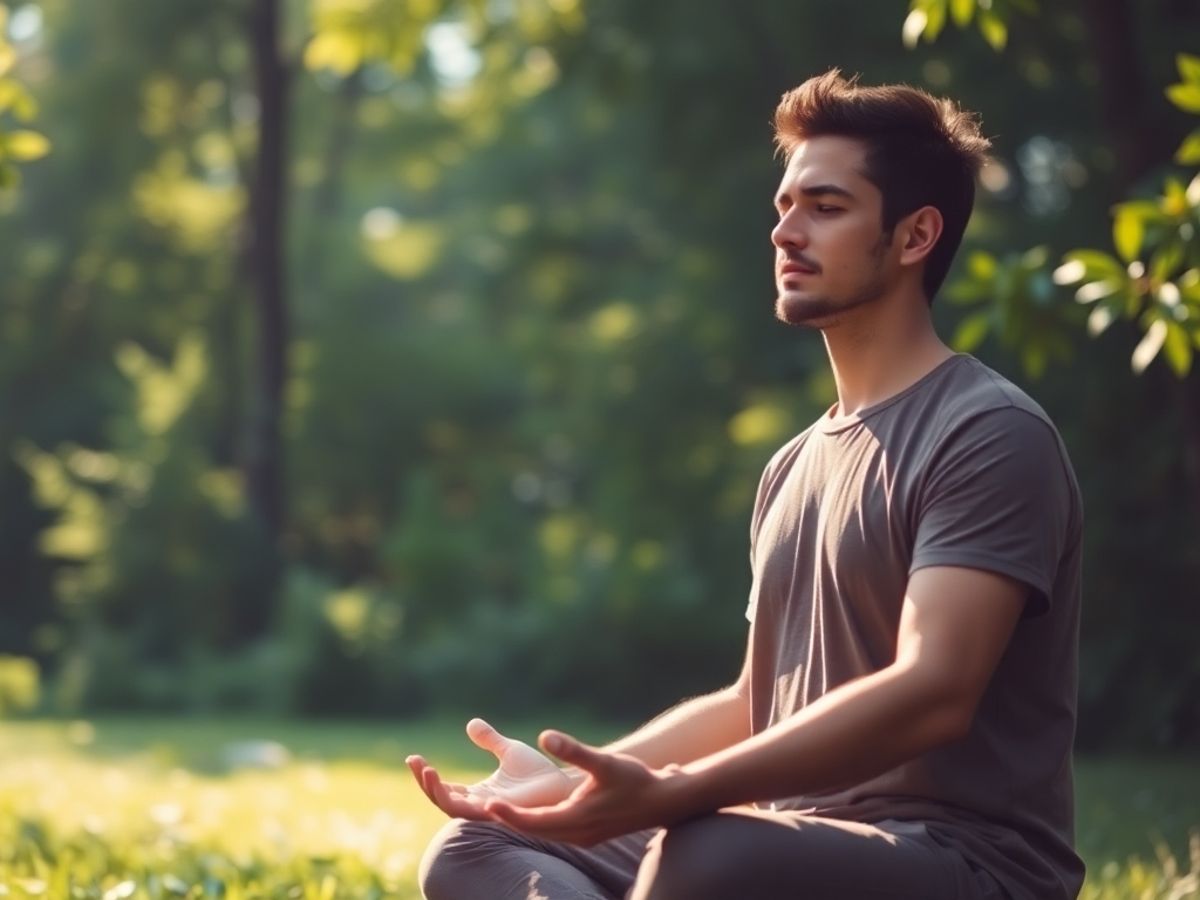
920	150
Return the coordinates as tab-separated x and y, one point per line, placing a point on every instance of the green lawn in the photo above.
156	808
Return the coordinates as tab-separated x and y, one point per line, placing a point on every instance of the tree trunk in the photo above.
1129	118
264	450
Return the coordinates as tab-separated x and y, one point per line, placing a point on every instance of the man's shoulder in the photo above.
973	393
982	413
783	457
973	387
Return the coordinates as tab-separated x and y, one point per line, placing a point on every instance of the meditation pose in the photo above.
903	723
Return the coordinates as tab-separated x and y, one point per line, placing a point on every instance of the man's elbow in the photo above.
946	711
950	718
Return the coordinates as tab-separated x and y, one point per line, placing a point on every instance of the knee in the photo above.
450	862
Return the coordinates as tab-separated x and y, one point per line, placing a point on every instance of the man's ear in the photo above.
919	232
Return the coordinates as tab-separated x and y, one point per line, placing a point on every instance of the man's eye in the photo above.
822	208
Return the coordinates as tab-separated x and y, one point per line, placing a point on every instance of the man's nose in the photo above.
787	231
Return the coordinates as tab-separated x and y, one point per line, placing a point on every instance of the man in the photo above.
903	723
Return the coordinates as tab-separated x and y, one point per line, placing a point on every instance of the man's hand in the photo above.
523	778
619	794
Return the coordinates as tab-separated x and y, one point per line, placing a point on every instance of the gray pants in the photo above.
746	854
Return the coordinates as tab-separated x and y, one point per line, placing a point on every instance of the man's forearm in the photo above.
860	730
693	729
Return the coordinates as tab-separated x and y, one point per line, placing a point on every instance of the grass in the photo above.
159	809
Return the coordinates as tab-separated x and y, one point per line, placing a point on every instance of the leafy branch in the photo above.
17	145
1152	275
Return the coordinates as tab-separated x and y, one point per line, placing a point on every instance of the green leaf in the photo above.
1185	96
993	28
1101	316
1177	348
1189	67
962	11
1097	290
935	13
1189	285
9	176
1149	346
1097	264
1166	260
1148	210
1174	201
24	146
8	56
1188	153
971	331
1128	232
914	27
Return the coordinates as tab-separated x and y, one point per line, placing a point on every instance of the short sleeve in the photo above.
761	499
998	495
755	522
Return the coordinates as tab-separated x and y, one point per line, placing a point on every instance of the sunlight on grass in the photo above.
81	818
165	809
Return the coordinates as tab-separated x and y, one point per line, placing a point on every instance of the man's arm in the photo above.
954	628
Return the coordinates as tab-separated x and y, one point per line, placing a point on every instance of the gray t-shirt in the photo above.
960	469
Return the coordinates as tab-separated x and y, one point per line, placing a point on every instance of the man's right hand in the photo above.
524	777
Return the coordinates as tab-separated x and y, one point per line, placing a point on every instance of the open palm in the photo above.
524	777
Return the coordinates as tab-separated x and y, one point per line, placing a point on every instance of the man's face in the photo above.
831	254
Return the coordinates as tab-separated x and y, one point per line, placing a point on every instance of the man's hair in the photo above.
920	150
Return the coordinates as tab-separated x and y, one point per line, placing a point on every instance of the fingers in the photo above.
577	753
486	737
417	766
452	799
455	804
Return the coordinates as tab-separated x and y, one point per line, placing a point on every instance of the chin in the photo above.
803	309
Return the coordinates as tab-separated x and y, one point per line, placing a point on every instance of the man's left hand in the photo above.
620	794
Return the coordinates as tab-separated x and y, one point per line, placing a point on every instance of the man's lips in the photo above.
796	269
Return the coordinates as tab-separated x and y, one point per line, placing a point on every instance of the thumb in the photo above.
486	737
577	753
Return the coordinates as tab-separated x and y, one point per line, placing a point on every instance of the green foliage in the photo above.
1021	308
1158	287
130	522
19	145
19	684
1169	878
927	18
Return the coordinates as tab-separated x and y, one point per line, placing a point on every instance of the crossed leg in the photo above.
742	854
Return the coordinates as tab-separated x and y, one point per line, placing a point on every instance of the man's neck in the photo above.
879	352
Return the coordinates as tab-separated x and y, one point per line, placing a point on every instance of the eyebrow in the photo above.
821	190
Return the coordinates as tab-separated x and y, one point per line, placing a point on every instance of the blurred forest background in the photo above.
379	357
